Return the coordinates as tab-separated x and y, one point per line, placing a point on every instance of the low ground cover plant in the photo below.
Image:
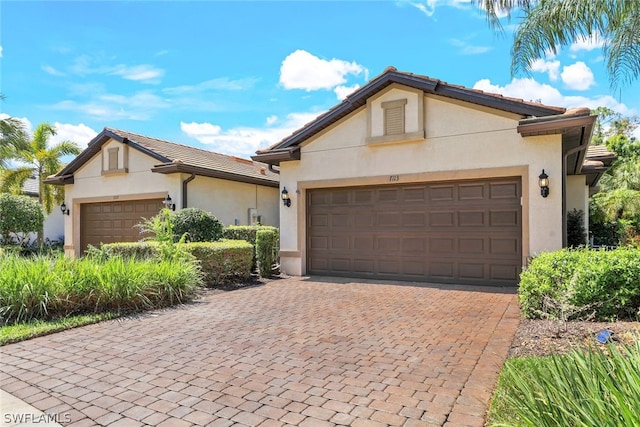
597	387
46	287
582	283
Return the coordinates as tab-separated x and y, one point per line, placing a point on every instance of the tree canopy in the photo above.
548	25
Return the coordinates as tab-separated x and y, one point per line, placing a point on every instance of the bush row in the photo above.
44	287
221	262
265	240
582	284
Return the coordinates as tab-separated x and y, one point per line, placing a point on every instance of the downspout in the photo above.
564	187
273	170
184	189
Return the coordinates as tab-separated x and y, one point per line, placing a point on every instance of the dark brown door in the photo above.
110	222
467	232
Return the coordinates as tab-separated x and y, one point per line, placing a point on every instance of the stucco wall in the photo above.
463	141
230	201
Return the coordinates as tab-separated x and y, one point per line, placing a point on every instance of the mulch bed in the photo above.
546	337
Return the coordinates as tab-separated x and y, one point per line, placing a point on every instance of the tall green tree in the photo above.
548	25
13	137
40	159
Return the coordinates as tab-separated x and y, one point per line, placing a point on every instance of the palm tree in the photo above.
12	138
549	24
40	160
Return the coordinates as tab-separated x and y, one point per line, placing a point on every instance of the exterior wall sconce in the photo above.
543	182
285	197
64	209
168	203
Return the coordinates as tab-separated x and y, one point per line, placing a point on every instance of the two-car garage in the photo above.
456	231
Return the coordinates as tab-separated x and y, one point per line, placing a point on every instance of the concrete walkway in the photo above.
299	351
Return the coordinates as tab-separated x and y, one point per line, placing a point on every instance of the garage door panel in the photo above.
463	231
504	218
509	190
110	222
471	219
471	192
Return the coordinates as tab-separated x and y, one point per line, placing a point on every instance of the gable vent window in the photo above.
113	159
394	117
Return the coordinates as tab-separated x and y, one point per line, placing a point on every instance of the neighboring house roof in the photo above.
31	186
174	158
575	125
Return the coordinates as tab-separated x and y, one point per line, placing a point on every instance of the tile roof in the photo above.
428	85
174	158
178	153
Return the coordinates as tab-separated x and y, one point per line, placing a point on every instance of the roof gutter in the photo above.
59	179
275	157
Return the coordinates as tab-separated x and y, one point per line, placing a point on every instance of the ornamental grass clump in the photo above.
46	287
598	387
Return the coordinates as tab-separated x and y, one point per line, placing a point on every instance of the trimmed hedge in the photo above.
266	242
249	233
221	262
197	224
582	283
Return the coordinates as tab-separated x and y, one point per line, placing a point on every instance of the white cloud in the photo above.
531	90
221	83
140	106
272	119
468	49
590	43
543	66
577	76
52	71
428	7
0	51
302	70
342	91
80	134
140	73
244	141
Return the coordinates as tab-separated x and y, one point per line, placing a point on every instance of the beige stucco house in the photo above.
122	177
416	179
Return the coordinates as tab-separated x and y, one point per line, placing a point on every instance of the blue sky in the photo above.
234	77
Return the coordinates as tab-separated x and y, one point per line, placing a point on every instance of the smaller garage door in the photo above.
110	222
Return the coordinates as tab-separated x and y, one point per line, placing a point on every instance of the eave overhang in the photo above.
274	157
170	168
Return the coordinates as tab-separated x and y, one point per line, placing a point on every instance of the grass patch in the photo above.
595	387
50	287
36	328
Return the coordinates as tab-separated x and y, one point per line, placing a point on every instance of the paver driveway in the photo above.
299	351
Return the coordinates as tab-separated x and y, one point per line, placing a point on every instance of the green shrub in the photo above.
197	224
45	287
582	283
221	262
599	387
266	242
249	233
19	216
576	233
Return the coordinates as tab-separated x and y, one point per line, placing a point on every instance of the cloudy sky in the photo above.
234	77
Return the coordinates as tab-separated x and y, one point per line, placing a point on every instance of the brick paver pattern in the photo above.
297	351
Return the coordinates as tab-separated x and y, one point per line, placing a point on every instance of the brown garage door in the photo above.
451	232
110	222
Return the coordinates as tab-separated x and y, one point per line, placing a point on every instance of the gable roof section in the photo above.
288	148
174	158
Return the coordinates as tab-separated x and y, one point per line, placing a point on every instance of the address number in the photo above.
394	178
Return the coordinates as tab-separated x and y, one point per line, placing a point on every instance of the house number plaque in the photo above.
394	178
